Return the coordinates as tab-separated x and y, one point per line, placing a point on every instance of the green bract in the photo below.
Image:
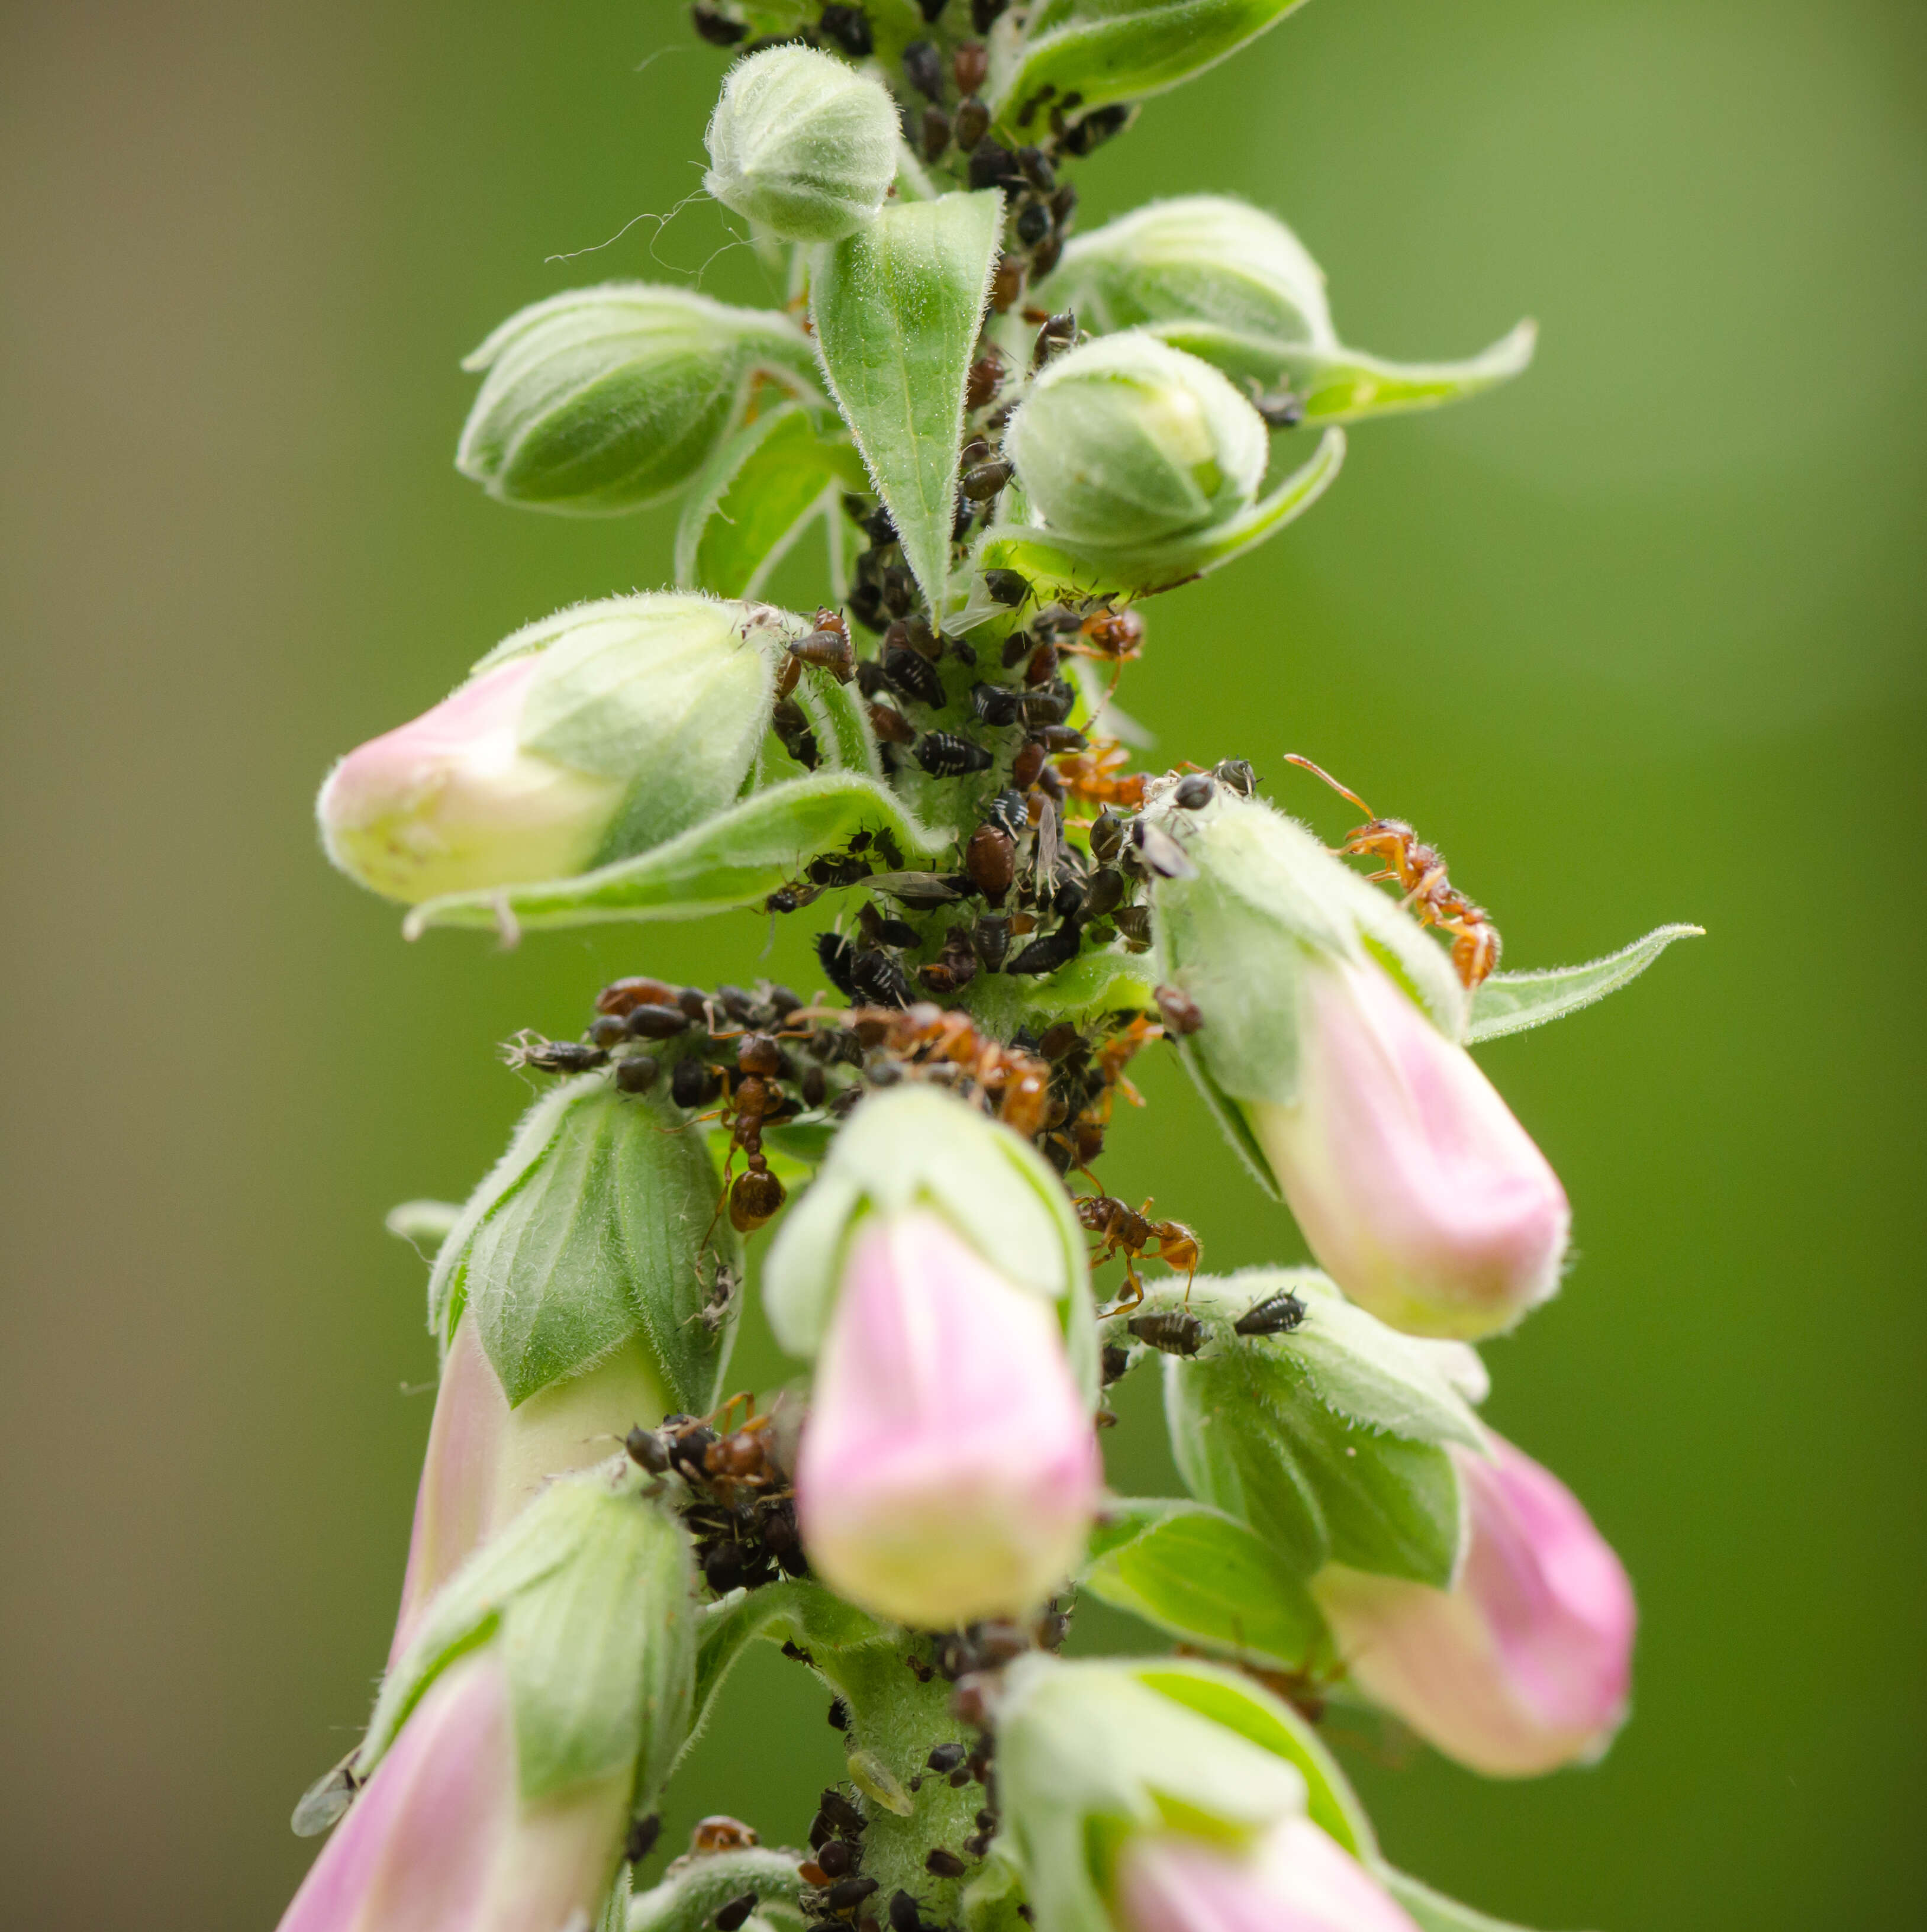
802	145
1329	1441
1127	441
1111	50
1235	934
590	1596
600	1225
914	1146
1234	286
669	695
608	399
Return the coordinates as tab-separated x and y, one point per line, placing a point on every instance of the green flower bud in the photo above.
1233	285
594	734
801	144
1201	257
608	399
1128	441
587	1601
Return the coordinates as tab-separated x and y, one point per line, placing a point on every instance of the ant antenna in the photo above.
1319	772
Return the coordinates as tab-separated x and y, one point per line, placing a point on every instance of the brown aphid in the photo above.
985	379
1006	281
1179	1010
990	860
828	647
890	724
1421	869
719	1832
619	996
971	65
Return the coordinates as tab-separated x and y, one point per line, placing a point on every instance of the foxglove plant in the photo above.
1006	437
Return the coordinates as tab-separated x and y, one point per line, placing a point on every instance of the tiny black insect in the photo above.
730	1916
1279	1314
645	1450
1194	793
849	1892
912	674
1175	1332
878	978
842	1815
1049	950
1236	774
942	1864
642	1839
923	68
849	28
946	1758
944	755
1007	587
719	29
836	956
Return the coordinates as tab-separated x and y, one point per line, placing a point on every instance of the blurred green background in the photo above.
1637	640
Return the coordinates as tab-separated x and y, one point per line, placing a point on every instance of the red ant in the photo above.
1421	869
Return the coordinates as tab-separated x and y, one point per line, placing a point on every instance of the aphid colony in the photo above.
750	1061
742	1511
1177	1331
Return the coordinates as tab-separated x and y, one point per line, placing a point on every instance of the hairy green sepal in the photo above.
598	1225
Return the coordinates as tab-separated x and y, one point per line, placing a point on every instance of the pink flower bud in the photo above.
1524	1664
486	1461
1295	1878
440	1842
451	802
949	1470
1420	1194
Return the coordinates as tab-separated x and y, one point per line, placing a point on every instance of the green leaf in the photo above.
1516	1002
1066	567
601	1654
736	859
896	308
1358	1365
754	498
1432	1911
1204	1577
1339	384
1112	50
1251	1435
609	1226
1092	983
1270	1723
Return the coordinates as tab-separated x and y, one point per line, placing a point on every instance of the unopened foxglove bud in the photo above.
802	144
545	1695
487	1461
1524	1664
1234	285
586	1286
949	1468
590	736
1294	1879
608	399
440	1838
1106	1770
1416	1188
1328	1043
1200	257
1127	441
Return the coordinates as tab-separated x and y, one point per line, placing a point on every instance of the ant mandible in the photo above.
1421	869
